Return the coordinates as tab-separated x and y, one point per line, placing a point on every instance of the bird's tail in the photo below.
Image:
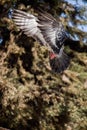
59	62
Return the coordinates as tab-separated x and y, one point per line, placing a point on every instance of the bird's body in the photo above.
45	28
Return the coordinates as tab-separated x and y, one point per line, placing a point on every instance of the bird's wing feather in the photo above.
25	21
28	24
52	30
48	27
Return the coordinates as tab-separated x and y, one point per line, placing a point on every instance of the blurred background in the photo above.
32	97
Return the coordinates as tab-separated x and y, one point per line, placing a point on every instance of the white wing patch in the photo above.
28	24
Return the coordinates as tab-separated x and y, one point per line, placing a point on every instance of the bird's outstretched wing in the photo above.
44	28
28	23
52	30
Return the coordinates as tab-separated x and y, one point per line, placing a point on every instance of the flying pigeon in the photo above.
49	32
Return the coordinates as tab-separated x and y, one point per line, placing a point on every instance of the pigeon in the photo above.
49	32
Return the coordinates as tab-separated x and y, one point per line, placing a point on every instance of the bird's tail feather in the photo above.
59	63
